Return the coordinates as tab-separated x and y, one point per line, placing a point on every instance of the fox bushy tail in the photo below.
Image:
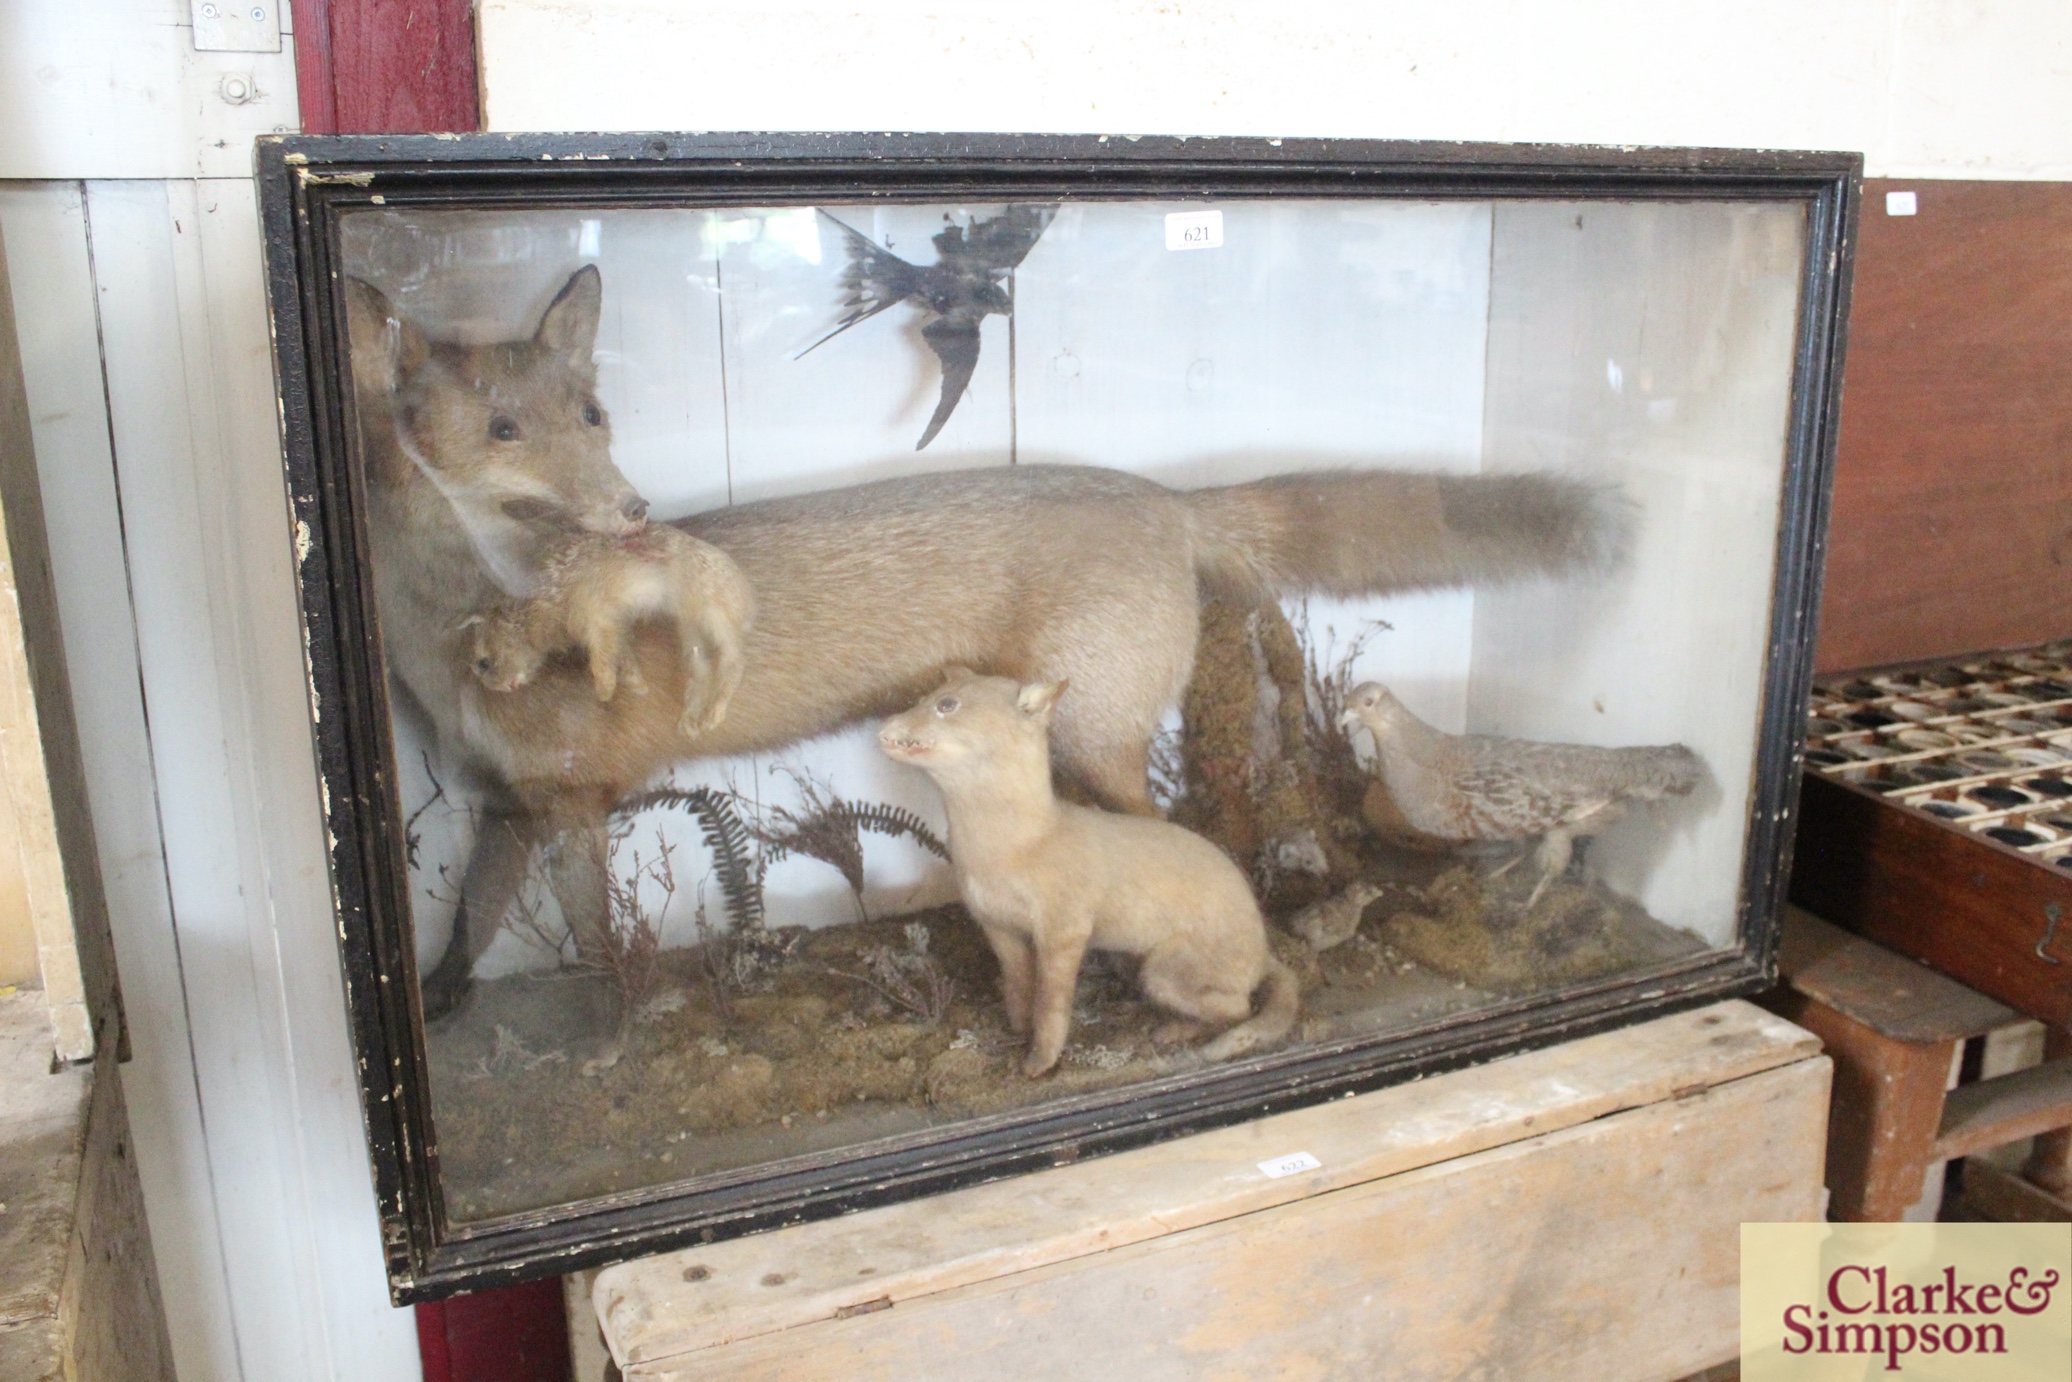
1371	532
1274	1020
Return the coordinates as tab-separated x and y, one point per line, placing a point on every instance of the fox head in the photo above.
970	721
510	434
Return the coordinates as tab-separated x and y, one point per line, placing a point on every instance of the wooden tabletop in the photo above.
676	1304
1893	995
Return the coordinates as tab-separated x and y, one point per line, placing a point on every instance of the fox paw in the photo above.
696	721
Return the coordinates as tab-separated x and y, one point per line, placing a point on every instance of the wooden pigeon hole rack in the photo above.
1937	821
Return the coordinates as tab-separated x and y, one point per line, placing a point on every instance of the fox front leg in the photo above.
1017	974
1057	975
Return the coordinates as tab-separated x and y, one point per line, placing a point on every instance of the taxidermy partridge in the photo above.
1334	920
1472	788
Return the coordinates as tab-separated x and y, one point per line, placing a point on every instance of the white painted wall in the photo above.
1924	88
116	89
149	374
140	306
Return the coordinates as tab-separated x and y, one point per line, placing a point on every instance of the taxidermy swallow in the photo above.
966	284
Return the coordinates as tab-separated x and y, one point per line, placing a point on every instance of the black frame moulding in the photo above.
306	182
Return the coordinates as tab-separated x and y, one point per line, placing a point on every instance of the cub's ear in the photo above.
386	350
569	327
956	674
1038	697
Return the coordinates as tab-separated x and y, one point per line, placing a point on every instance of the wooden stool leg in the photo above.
1888	1103
2050	1164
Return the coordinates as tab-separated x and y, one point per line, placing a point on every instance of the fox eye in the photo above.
503	429
593	416
947	705
528	510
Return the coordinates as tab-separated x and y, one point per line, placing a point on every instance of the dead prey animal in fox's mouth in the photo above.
965	285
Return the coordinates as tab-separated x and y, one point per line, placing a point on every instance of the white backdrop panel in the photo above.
1648	346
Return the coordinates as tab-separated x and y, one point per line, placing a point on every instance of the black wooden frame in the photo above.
306	181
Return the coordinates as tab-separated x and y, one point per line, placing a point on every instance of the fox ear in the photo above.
569	326
386	350
1038	697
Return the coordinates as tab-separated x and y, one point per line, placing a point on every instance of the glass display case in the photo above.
844	666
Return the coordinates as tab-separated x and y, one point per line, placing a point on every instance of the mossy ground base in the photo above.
542	1096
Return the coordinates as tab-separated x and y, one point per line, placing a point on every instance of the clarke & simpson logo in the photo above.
1976	1302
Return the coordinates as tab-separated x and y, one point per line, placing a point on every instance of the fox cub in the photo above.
594	589
1047	879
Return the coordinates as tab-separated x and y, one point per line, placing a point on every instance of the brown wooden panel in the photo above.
1952	524
1995	1112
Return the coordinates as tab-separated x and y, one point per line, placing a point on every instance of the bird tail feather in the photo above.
1370	532
1669	770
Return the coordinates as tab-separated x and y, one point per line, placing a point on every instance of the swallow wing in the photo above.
955	342
874	280
998	243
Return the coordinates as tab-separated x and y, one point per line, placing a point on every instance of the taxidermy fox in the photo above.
1046	879
594	590
476	458
480	458
1042	572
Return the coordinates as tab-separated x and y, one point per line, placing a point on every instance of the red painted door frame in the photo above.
513	1334
386	66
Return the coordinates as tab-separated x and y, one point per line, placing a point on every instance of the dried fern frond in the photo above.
1329	678
824	831
883	818
829	827
730	838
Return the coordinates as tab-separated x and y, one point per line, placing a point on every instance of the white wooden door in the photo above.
132	240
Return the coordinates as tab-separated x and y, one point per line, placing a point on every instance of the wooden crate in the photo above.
1571	1212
